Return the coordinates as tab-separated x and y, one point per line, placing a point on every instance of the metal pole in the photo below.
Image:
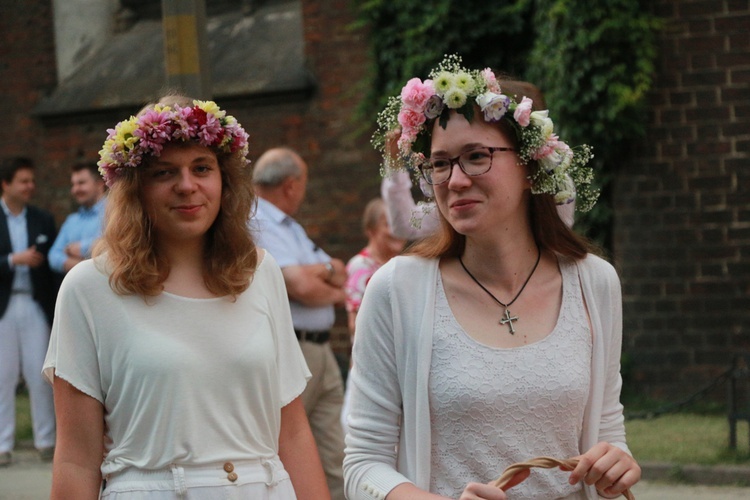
186	48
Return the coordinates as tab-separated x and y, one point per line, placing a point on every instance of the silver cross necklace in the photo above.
507	318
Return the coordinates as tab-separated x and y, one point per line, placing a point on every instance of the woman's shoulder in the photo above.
403	273
595	264
267	267
89	270
407	266
89	277
598	273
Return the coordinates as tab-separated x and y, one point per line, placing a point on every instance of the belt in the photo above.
319	337
181	477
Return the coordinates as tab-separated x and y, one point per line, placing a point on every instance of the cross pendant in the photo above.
508	319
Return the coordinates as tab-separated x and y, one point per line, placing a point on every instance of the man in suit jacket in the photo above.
28	290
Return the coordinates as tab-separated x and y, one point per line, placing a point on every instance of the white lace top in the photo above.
492	407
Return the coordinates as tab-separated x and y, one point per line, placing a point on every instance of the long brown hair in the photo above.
135	267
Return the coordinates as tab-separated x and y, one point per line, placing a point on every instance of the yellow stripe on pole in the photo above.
181	45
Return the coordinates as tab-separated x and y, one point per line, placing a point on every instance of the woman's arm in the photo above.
395	189
79	449
608	464
299	454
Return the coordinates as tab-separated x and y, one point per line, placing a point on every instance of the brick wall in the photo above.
682	206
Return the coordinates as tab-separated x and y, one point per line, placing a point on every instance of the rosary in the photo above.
507	318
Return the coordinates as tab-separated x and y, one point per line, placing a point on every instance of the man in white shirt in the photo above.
28	290
315	283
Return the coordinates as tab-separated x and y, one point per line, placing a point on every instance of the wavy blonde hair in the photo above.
133	263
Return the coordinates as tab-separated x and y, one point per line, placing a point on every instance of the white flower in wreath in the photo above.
494	106
541	119
567	192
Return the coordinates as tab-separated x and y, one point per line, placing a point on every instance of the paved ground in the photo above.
29	479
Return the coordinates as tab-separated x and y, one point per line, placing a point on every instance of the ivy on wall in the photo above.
593	60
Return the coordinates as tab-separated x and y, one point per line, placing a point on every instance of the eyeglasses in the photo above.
475	162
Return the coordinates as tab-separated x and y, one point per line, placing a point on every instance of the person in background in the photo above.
174	341
315	284
498	338
28	289
81	228
411	220
381	247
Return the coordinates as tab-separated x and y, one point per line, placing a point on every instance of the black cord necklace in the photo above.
506	318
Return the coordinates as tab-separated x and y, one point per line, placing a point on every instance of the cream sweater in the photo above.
389	382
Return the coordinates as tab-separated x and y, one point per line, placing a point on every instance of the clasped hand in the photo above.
611	470
30	257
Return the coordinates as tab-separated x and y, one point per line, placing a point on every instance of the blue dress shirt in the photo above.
286	240
83	226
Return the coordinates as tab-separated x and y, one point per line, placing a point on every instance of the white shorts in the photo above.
241	480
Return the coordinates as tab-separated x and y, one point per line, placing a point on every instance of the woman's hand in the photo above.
473	491
479	491
610	469
391	146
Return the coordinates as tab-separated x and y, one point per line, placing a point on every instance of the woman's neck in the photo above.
502	261
186	264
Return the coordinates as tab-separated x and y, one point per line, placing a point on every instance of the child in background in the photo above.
381	246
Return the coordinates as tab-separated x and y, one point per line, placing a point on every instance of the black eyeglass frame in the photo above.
457	161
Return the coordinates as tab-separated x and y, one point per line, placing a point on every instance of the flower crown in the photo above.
561	171
147	133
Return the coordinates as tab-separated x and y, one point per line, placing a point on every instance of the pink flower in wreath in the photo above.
522	114
548	148
410	120
489	78
416	92
405	141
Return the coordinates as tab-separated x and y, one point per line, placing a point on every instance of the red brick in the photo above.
704	43
733	59
732	24
703	8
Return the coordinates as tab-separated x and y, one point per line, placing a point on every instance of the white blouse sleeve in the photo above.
72	351
293	371
375	410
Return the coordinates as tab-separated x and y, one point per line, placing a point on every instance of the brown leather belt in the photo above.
317	337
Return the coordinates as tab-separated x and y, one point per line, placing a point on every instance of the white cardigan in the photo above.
389	381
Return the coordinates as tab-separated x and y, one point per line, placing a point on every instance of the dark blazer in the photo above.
42	232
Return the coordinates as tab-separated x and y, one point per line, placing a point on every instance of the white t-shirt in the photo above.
183	381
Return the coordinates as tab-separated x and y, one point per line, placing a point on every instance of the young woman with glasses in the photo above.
498	338
411	220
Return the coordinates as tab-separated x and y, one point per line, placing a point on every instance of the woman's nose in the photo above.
185	182
458	178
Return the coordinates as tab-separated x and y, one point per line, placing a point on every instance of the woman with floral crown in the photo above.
175	343
413	220
497	340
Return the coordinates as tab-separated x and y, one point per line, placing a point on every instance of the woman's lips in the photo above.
187	209
463	204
